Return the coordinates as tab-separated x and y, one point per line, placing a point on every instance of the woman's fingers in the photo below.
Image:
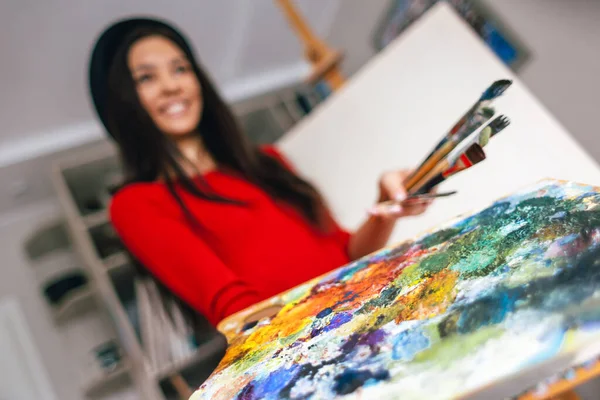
392	186
393	194
386	210
416	209
397	210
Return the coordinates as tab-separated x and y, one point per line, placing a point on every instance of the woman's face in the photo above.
166	85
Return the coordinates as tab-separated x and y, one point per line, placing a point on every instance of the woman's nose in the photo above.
170	84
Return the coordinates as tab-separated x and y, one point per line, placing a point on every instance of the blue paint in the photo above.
269	387
552	341
351	379
558	215
570	374
489	310
408	344
324	312
347	273
567	239
589	364
495	90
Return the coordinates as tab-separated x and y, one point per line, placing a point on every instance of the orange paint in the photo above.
432	297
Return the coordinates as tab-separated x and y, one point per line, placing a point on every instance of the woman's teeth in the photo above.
175	108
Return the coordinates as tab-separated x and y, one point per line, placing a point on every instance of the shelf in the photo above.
116	261
102	383
79	300
206	351
95	219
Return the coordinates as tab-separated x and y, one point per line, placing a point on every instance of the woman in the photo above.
218	222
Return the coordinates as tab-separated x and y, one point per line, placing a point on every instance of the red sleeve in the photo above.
342	236
177	257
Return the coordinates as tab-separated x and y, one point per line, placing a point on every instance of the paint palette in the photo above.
477	302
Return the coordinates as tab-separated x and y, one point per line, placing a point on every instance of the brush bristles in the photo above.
475	153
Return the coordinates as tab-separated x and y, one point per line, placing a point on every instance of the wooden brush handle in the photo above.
439	178
428	165
432	173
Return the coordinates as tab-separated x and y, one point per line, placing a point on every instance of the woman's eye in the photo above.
182	69
144	78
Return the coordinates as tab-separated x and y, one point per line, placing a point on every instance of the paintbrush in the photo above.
464	162
498	124
449	160
494	91
475	121
480	136
412	200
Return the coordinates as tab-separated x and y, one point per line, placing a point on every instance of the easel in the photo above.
564	389
324	60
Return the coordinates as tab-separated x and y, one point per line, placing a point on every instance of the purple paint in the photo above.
337	321
373	339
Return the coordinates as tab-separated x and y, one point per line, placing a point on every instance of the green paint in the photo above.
476	263
428	267
484	136
385	298
439	237
411	275
446	352
527	271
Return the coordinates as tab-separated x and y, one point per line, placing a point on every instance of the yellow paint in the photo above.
431	298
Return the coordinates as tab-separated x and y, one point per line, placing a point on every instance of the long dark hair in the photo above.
148	154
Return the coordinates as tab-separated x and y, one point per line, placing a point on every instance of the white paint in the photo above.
400	104
22	375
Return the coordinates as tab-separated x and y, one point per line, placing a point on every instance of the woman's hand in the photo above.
391	187
374	233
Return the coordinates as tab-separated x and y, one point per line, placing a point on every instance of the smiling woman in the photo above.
158	65
219	223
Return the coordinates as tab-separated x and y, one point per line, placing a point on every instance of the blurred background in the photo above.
54	342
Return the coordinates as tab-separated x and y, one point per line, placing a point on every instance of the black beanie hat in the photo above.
105	50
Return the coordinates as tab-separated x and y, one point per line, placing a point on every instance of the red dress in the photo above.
241	254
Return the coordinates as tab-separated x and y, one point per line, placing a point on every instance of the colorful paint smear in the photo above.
454	310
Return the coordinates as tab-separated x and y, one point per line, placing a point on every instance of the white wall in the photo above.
352	31
18	279
563	36
412	101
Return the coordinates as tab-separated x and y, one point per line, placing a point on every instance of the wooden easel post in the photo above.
324	60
